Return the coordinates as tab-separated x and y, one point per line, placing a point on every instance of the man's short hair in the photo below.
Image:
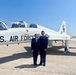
42	31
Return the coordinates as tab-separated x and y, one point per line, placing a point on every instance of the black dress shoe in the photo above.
35	64
44	64
40	64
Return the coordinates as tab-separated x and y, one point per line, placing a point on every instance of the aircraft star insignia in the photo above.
26	30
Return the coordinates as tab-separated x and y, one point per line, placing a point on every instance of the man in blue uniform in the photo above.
34	48
43	41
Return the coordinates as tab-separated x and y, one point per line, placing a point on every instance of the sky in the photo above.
48	13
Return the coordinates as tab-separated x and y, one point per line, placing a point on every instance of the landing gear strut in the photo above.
66	49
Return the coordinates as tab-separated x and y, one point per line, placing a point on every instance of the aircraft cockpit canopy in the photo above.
20	24
2	26
33	26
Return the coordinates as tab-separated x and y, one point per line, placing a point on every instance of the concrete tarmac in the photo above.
17	60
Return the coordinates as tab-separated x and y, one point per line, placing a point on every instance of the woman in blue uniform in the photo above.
34	48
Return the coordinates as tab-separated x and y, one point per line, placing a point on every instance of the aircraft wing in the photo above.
58	37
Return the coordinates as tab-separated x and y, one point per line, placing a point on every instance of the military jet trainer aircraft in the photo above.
20	32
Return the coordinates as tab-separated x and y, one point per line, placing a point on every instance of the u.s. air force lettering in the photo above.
15	38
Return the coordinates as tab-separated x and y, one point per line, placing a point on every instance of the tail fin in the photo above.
63	28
